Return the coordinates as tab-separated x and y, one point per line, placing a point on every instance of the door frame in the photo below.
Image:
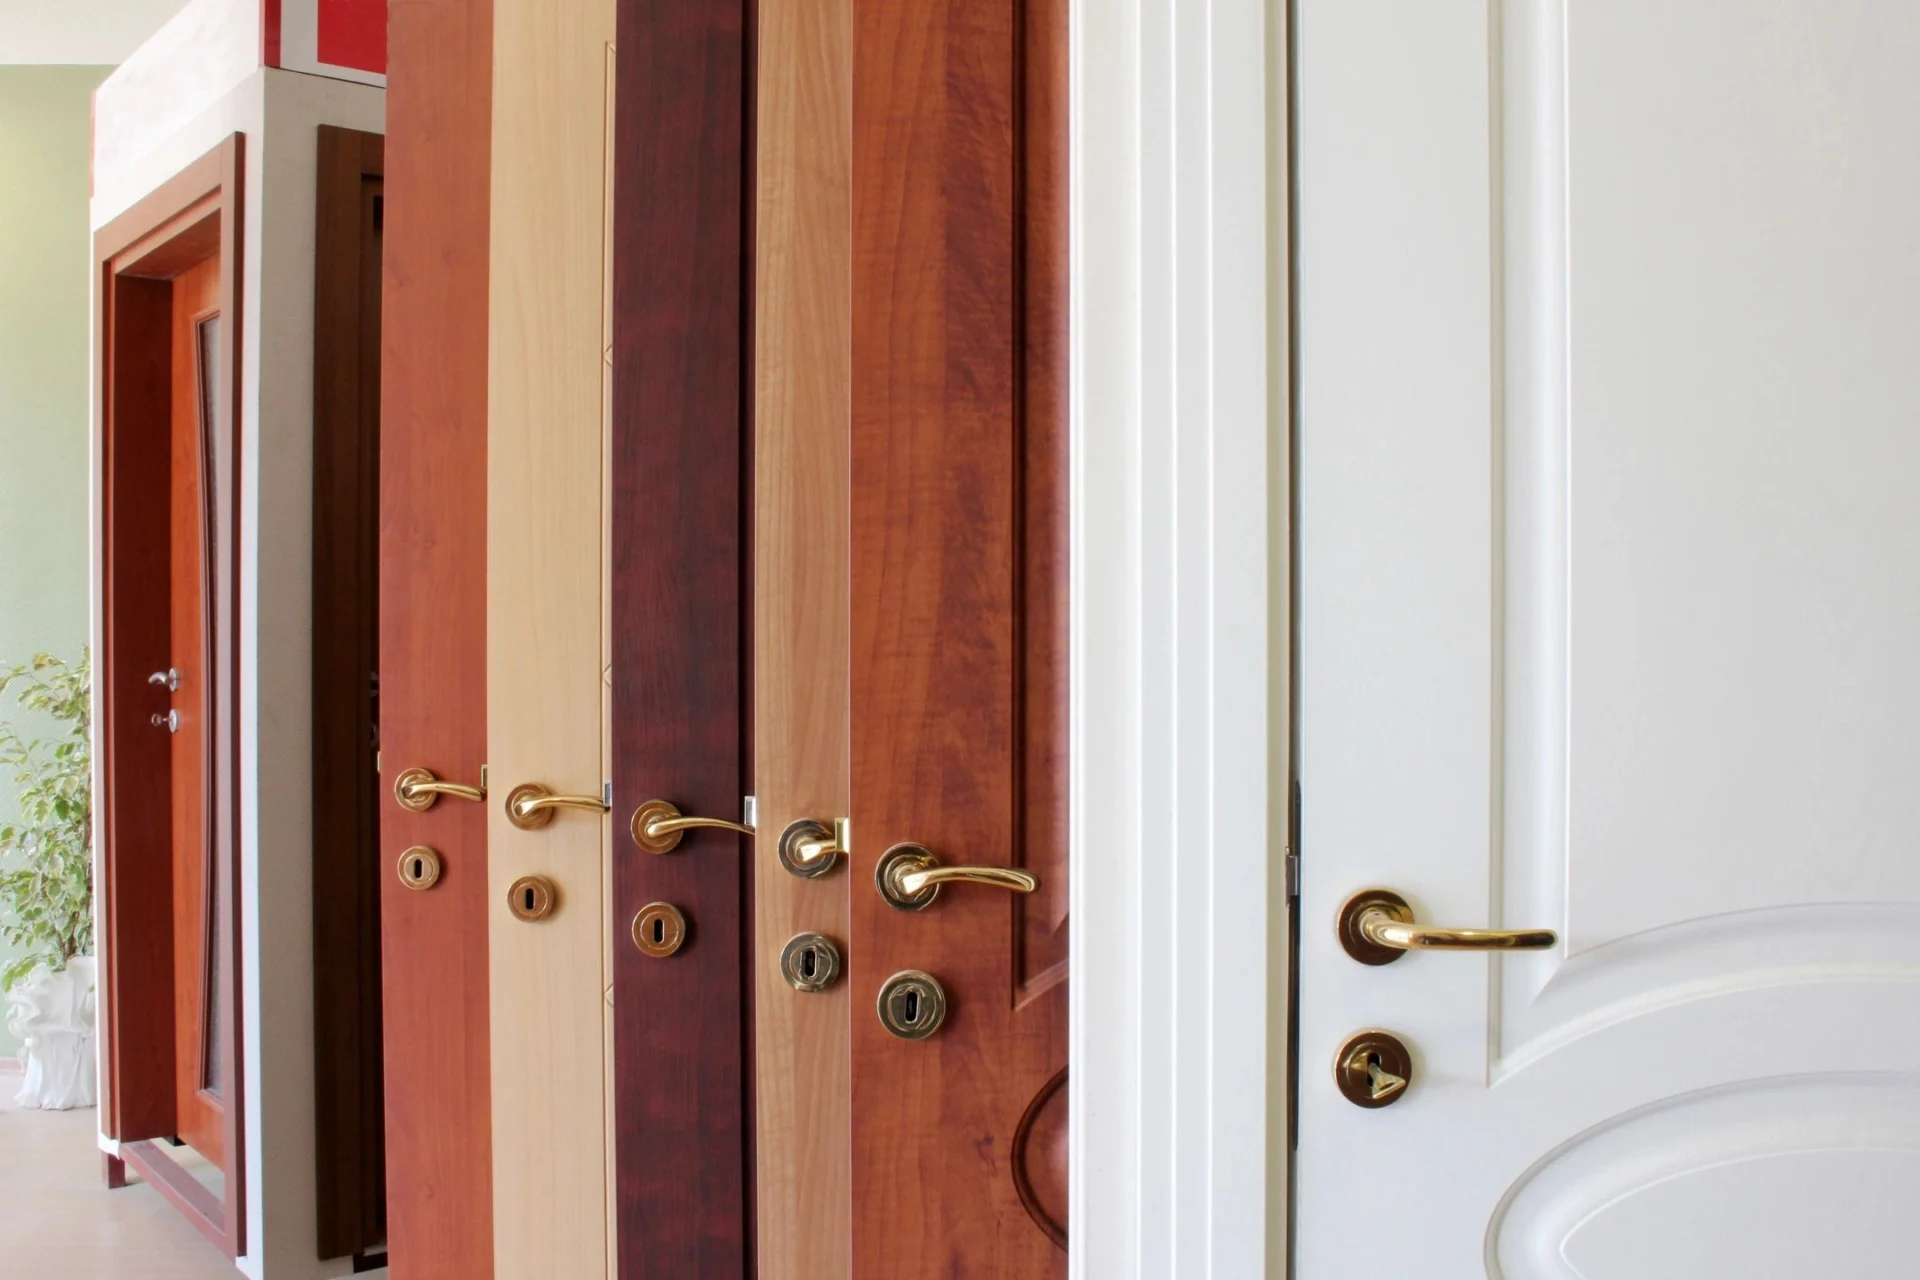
191	216
1181	625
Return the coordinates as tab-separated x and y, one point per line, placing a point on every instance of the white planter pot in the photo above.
52	1015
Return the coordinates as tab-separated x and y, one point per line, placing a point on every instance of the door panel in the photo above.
679	668
545	594
803	1136
198	1113
958	636
433	627
1601	466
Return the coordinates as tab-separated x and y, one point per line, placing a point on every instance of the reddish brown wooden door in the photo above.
679	669
433	645
959	645
199	1112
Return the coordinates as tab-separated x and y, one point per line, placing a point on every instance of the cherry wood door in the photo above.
199	1113
433	629
679	665
959	614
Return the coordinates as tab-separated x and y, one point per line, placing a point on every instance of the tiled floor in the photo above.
58	1221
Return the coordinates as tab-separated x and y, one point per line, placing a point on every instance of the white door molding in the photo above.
1179	632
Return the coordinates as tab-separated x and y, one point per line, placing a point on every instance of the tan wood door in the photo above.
199	1066
910	621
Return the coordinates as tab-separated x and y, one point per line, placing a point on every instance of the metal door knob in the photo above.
658	825
1377	927
531	806
909	877
417	790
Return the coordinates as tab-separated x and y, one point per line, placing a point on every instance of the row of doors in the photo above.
725	925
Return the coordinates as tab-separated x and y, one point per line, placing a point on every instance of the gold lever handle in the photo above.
531	806
658	824
810	848
909	877
418	789
1377	927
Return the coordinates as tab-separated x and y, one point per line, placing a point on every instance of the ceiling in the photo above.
78	32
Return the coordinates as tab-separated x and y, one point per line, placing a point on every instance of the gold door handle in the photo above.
1377	927
909	877
418	789
809	847
658	824
530	806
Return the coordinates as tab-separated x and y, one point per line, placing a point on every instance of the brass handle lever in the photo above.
909	877
810	848
1377	927
418	789
530	806
658	824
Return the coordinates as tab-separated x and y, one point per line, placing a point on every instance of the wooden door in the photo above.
168	501
679	664
199	1066
1607	619
910	621
433	635
546	595
959	645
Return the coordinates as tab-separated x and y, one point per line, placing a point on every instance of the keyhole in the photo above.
659	930
1373	1061
809	963
419	868
913	1007
526	897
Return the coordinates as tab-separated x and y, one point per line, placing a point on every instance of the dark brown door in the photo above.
959	644
199	1069
433	635
679	669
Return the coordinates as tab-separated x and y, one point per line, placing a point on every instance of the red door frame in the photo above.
193	215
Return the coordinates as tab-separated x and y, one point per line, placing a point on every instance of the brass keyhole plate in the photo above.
659	929
419	867
810	962
1381	1050
1357	944
806	829
532	898
912	1004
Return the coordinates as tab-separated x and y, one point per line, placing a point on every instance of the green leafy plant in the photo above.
46	858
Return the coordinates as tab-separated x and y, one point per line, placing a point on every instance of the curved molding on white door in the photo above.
1709	959
1791	1176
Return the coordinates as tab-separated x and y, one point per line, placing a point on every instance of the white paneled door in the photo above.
1609	624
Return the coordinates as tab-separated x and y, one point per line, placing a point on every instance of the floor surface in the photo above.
58	1221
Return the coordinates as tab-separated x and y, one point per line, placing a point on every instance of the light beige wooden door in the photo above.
545	595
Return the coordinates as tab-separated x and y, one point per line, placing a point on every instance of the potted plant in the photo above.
46	884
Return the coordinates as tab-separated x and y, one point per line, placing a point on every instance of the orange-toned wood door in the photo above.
959	612
433	635
199	1066
910	622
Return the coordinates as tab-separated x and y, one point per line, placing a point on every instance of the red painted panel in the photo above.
353	33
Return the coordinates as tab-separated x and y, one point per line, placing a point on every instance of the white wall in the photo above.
279	112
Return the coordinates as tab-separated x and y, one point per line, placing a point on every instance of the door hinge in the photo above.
1293	874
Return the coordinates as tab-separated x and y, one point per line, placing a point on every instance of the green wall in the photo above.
46	116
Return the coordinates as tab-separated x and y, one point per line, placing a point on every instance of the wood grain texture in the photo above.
958	608
197	1114
544	628
433	617
193	216
349	1097
680	655
803	1136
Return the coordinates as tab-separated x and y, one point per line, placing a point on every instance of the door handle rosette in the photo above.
909	877
531	806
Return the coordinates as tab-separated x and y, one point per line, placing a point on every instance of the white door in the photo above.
1609	623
